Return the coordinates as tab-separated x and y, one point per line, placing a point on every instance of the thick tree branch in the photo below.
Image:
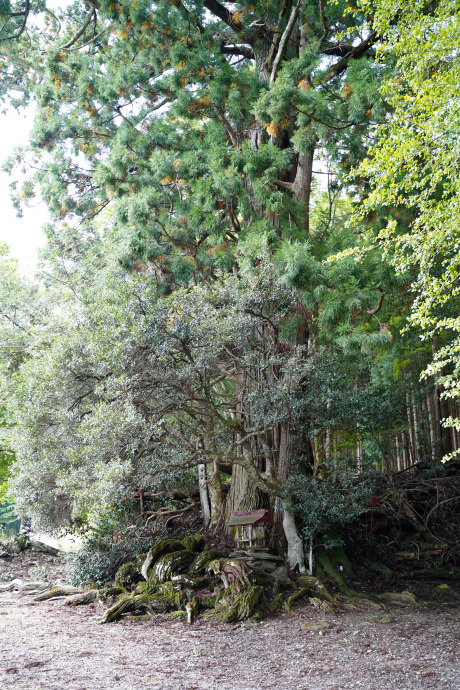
284	39
224	14
376	309
25	15
80	32
353	54
245	51
337	49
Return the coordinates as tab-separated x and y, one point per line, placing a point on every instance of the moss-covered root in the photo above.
128	575
123	605
193	542
158	549
131	604
190	582
192	608
165	599
59	591
314	585
201	561
169	564
82	599
232	572
237	607
303	592
277	603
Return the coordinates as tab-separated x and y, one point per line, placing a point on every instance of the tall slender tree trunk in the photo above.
204	496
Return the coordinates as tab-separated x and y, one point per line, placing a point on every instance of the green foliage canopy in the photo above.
414	164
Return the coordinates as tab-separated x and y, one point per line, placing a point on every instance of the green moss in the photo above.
141	617
178	615
128	603
339	559
141	587
277	603
112	591
330	569
381	569
194	542
314	584
201	561
18	543
209	602
127	575
158	549
168	596
303	592
192	582
235	606
169	564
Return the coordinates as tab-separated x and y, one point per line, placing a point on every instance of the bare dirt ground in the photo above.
49	646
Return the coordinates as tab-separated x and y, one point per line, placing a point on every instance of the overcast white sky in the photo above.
24	235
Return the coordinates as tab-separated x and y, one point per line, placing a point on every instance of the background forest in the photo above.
249	293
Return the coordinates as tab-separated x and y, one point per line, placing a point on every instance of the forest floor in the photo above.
49	646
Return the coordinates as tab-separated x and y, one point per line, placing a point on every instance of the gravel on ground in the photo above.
49	646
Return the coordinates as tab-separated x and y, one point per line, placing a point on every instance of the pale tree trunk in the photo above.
215	495
295	547
204	497
302	185
283	444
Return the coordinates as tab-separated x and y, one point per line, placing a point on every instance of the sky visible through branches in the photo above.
24	235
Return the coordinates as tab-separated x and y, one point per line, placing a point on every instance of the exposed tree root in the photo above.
232	573
59	591
235	605
158	549
170	563
82	599
141	603
201	561
295	597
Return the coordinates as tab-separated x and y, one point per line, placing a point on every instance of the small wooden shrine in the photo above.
251	528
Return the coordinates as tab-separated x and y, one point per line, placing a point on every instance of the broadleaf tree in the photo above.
413	163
